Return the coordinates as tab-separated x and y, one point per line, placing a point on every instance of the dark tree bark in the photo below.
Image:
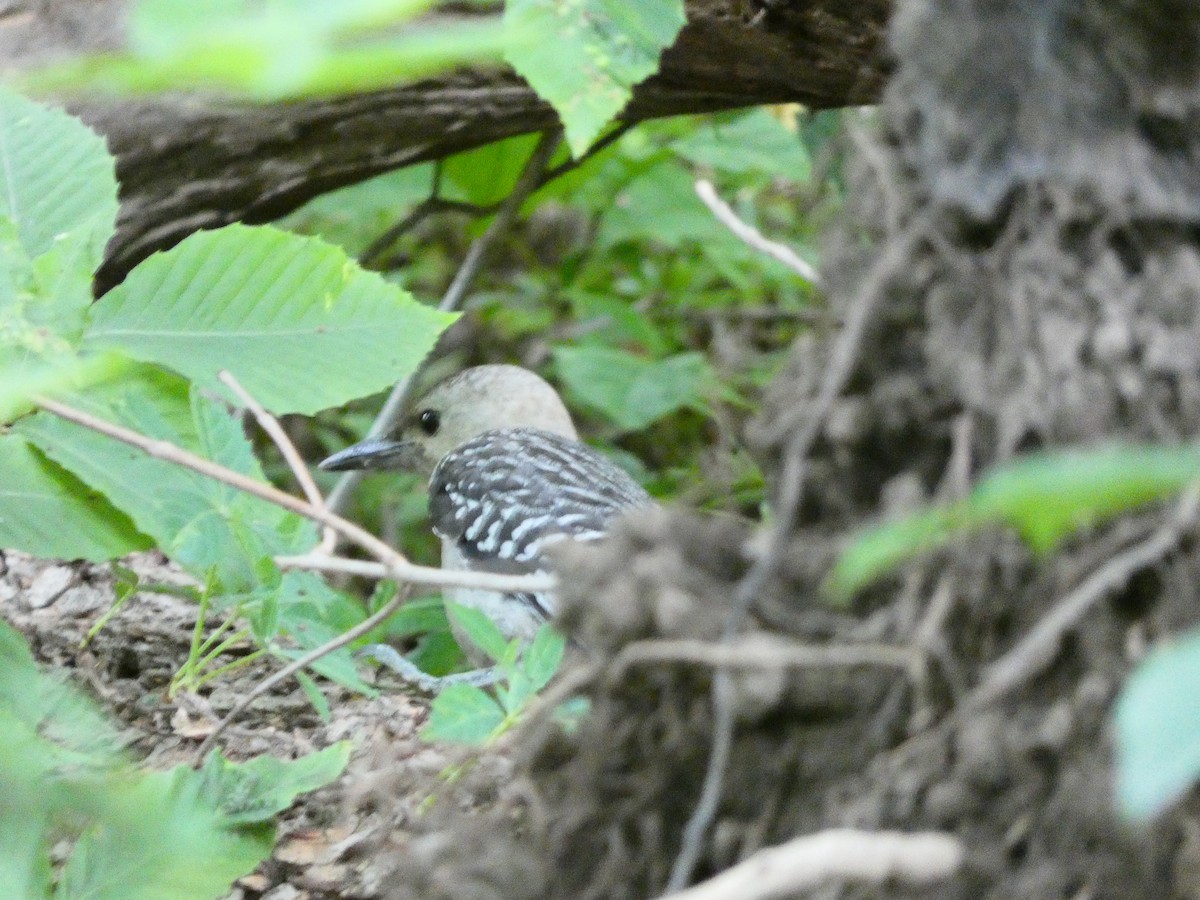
186	164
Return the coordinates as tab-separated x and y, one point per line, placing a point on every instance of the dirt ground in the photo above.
1023	238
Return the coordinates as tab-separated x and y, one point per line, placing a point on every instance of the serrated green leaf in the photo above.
47	511
254	791
631	390
157	835
298	323
543	656
56	177
585	56
479	629
196	520
463	714
1158	729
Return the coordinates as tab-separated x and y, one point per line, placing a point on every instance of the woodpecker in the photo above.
508	477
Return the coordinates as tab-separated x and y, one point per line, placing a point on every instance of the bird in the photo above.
508	477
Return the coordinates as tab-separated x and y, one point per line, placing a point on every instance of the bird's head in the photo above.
476	400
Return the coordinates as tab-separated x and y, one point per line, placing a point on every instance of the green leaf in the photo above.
543	656
196	520
1158	729
157	835
47	511
299	324
1049	496
585	56
56	177
20	383
479	629
487	174
135	834
879	550
1045	497
312	613
660	205
463	714
631	390
254	791
746	143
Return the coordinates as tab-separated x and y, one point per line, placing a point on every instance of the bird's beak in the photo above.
376	453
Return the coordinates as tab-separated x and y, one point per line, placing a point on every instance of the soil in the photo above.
1024	223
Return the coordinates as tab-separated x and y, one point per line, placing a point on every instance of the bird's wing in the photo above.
503	496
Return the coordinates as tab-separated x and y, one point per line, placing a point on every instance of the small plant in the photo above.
78	819
465	714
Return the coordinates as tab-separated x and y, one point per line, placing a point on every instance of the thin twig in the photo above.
287	449
295	666
434	204
840	854
1038	648
751	236
763	652
398	567
795	466
488	581
396	403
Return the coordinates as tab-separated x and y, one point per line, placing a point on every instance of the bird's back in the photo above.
501	497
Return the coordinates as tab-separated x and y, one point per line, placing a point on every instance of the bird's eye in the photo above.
429	420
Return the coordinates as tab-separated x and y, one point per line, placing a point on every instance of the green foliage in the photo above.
261	302
256	790
1045	497
66	788
465	714
585	56
57	182
631	390
266	305
48	508
278	50
1158	729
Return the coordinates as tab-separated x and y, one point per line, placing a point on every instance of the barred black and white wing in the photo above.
503	496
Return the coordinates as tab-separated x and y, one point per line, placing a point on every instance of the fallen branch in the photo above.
841	854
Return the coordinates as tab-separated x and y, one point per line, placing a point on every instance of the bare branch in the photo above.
485	581
291	455
751	236
840	854
397	566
